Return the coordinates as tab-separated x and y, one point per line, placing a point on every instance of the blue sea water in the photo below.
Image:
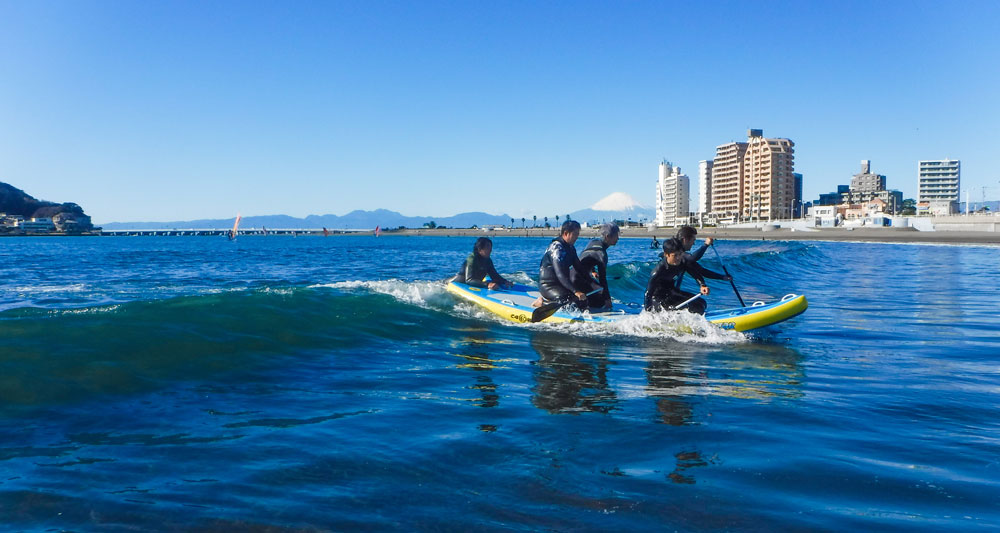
314	384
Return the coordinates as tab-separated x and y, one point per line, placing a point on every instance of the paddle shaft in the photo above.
689	300
731	282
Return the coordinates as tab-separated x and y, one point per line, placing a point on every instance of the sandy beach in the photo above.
891	235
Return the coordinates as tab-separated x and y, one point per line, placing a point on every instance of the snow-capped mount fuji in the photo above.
615	206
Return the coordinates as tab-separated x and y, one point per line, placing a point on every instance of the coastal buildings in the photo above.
672	196
726	185
938	186
38	225
754	180
867	186
705	186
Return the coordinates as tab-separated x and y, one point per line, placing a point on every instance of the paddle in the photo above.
731	282
549	309
689	300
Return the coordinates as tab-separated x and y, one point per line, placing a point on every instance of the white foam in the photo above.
43	289
419	293
680	326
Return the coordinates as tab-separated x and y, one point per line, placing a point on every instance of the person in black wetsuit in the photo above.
595	257
479	265
662	291
555	281
687	235
655	244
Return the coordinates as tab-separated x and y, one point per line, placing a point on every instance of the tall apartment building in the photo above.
727	181
672	196
755	179
705	186
938	186
770	182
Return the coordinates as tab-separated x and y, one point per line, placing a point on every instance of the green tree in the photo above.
430	225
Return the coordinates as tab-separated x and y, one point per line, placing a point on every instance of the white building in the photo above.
38	225
705	185
938	186
672	196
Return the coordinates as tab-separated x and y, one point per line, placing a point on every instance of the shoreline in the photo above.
883	235
876	235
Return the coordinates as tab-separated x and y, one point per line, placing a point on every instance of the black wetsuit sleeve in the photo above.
602	274
697	254
492	271
699	272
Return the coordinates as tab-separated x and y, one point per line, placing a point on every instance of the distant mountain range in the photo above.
617	206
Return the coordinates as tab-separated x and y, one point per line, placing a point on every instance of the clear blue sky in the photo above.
180	110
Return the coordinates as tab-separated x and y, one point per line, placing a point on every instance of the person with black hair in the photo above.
594	260
555	280
662	291
687	235
479	265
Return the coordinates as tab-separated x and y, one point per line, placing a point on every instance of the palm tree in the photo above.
567	217
512	222
557	220
522	222
546	222
534	221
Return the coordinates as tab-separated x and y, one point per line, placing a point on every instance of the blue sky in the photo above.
167	111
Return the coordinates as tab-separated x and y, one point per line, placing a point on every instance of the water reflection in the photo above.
571	374
474	350
677	376
668	381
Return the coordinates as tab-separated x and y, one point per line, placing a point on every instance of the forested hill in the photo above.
14	201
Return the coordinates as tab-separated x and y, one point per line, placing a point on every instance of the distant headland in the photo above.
22	214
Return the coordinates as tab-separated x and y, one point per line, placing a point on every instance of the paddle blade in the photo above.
545	311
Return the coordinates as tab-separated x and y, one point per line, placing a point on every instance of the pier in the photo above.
220	232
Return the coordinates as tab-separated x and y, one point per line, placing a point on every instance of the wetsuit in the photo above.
696	255
595	255
662	291
476	268
554	279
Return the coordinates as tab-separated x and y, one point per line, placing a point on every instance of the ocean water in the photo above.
314	384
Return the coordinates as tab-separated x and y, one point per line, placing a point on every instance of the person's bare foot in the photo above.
537	302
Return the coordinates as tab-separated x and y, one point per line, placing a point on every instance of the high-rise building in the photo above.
705	186
938	186
769	183
727	181
672	196
755	179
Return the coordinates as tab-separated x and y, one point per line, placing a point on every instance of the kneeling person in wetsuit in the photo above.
595	256
555	281
662	291
479	265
